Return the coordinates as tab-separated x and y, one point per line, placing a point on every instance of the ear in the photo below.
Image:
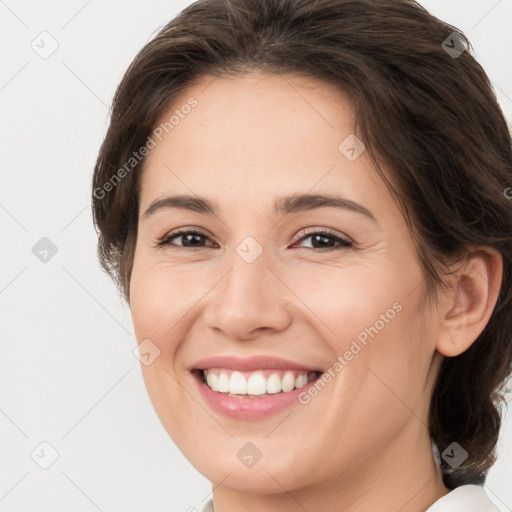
466	309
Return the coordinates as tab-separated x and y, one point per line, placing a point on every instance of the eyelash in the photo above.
345	243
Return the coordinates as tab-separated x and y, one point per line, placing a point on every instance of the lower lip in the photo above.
248	408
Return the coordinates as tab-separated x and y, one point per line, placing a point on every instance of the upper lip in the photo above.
250	363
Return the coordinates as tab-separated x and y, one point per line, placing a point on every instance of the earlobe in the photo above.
467	309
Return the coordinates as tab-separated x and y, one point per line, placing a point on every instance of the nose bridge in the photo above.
248	275
248	299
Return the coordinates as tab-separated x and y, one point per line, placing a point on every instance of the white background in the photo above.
68	375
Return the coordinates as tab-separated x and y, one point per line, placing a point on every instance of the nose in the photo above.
250	301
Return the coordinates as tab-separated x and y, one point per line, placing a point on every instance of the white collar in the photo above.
470	498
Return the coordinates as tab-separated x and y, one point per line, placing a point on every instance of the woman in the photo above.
303	203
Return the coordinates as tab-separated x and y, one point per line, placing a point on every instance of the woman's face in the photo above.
256	280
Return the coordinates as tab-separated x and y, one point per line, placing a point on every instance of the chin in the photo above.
268	476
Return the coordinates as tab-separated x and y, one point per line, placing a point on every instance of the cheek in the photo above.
353	303
371	320
160	298
158	308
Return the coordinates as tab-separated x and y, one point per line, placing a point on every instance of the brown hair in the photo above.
425	108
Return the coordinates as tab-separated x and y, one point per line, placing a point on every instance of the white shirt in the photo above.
466	498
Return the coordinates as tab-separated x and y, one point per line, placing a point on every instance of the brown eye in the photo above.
190	239
326	240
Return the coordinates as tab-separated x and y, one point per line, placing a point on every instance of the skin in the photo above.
362	443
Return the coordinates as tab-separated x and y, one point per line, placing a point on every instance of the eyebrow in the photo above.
283	205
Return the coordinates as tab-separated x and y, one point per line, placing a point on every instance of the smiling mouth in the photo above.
255	384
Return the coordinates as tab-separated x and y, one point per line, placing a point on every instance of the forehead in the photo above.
254	134
253	107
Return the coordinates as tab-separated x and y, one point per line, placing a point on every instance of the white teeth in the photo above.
223	383
237	384
214	381
301	380
256	384
274	384
288	382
